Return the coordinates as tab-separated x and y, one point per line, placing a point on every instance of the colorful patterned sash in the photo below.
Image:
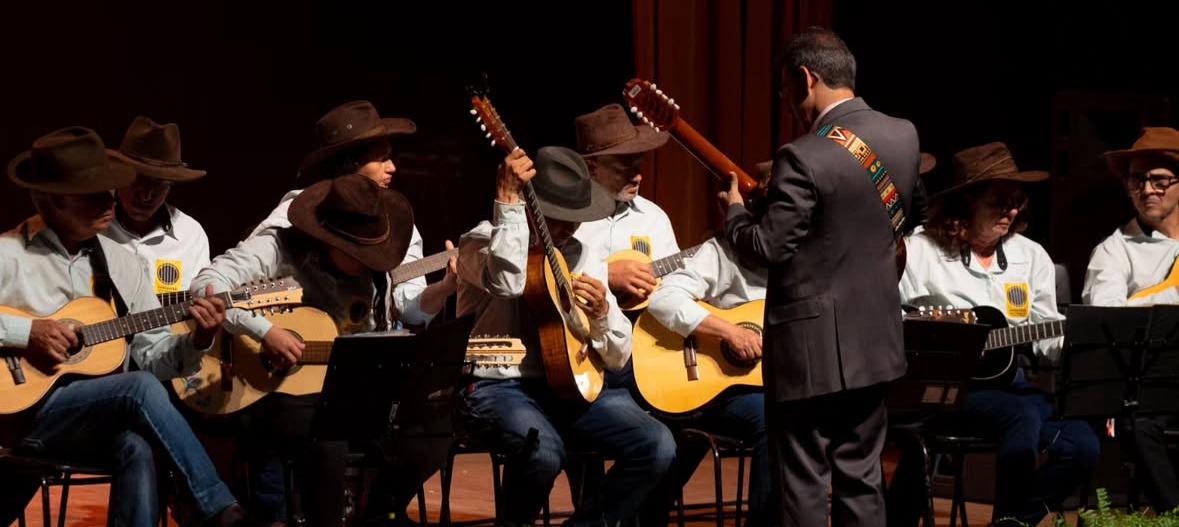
867	158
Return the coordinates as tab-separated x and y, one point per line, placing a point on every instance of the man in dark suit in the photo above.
832	326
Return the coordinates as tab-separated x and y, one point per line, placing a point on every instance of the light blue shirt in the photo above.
39	276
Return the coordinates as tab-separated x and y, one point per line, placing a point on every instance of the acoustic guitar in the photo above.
661	112
659	268
103	343
1171	281
573	368
240	375
676	375
997	365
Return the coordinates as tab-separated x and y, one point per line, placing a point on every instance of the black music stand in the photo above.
1122	363
395	394
942	357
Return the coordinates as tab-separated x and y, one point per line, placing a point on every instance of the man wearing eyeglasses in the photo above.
971	254
1125	267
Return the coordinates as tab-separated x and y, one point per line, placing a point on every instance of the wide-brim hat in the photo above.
72	160
565	190
153	149
609	131
989	162
350	125
1160	142
356	216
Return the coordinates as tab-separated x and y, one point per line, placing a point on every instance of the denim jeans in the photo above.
503	411
121	420
1021	419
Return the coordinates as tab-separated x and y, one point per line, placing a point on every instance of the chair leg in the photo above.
65	498
447	474
294	500
20	520
496	469
546	514
957	493
47	521
422	505
679	507
718	486
740	488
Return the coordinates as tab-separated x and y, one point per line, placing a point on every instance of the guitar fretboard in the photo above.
139	322
546	239
167	299
421	267
1015	335
668	264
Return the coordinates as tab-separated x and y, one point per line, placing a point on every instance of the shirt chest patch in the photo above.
167	275
641	244
1018	299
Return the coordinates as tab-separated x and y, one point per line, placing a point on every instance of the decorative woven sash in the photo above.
867	158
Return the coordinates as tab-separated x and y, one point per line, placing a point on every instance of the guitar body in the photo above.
573	369
997	366
226	386
89	361
633	303
659	362
1172	280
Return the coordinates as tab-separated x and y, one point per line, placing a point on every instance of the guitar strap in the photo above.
104	287
380	311
876	171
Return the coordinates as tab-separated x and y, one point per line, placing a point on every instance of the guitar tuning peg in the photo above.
634	109
654	87
660	92
676	106
483	127
473	112
487	135
640	114
493	142
671	102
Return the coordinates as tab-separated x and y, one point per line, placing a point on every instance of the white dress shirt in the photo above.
406	297
40	276
493	261
713	275
819	118
172	253
1025	292
639	224
1128	261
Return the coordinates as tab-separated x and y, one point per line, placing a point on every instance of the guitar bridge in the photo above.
14	368
690	358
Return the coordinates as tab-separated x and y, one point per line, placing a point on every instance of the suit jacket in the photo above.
832	319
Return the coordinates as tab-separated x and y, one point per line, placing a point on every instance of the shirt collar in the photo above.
1135	230
826	111
165	226
624	206
36	230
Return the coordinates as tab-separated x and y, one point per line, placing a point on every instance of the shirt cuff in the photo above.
14	331
504	213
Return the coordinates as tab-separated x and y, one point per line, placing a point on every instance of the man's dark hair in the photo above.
824	53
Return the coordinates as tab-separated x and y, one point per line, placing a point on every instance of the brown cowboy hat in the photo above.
928	162
355	215
609	131
348	125
565	190
70	161
154	150
989	162
1155	141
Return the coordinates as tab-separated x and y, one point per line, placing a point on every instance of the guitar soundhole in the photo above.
77	353
731	355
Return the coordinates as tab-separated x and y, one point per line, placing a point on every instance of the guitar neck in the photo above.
1016	335
421	267
669	264
716	161
316	352
139	322
546	240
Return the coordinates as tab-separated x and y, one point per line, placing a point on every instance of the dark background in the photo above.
246	81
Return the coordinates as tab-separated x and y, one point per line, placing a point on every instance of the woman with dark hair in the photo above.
971	254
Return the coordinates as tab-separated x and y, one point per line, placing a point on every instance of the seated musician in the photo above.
123	420
716	275
614	150
1125	268
172	245
504	404
346	234
971	254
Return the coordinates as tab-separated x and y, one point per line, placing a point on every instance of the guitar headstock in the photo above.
280	292
491	351
489	121
943	314
650	104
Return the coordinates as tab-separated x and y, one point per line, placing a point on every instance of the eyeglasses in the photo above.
1159	182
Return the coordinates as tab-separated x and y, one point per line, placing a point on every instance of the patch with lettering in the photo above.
168	276
1018	299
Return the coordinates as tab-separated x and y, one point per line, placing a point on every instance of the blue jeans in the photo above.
121	420
1021	419
503	411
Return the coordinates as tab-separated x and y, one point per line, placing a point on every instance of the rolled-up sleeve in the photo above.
496	258
673	304
257	258
407	296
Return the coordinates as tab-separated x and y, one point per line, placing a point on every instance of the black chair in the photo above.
721	447
469	445
55	472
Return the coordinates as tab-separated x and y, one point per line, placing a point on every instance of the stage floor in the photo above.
472	497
